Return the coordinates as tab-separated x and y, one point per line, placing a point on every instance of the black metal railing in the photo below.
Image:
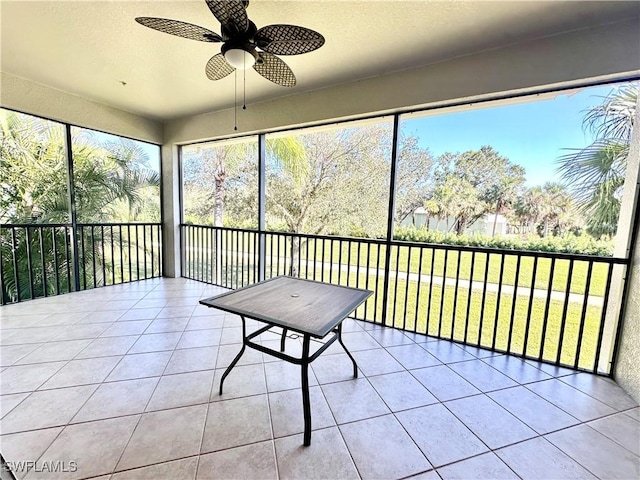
551	307
40	260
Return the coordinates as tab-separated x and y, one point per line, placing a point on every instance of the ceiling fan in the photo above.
243	44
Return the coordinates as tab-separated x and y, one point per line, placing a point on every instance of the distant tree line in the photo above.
336	181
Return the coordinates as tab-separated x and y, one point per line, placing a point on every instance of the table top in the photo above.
304	306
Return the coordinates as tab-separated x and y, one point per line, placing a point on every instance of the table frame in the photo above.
303	361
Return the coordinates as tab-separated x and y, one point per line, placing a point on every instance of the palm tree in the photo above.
528	207
595	174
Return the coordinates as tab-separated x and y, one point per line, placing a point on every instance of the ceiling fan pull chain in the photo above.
244	86
235	101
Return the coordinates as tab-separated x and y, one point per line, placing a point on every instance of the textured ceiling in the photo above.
89	47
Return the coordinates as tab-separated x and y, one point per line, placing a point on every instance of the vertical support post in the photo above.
390	214
621	332
71	196
262	251
170	234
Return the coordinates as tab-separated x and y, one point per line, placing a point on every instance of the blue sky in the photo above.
152	151
532	134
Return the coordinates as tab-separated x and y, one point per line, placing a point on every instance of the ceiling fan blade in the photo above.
275	70
288	39
232	14
218	67
180	29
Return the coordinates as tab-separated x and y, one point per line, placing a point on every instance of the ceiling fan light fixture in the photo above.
240	58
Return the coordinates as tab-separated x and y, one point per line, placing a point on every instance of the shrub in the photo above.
578	244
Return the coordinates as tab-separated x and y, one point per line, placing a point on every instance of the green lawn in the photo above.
424	260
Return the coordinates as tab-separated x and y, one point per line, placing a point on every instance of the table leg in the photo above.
284	336
353	360
235	360
306	404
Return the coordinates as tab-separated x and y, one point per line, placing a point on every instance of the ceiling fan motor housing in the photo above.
245	41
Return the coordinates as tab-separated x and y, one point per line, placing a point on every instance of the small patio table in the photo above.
309	308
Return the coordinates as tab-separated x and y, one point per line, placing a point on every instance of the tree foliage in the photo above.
547	209
595	174
113	182
113	179
470	184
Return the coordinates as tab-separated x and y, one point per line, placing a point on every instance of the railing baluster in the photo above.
455	296
187	247
121	253
137	253
277	237
235	257
331	261
358	251
219	256
16	275
496	318
300	257
444	289
194	252
229	256
366	284
531	295
3	300
395	287
565	309
306	256
513	302
607	292
160	269
545	317
153	268
406	290
484	297
56	267
322	263
585	302
417	312
466	318
315	256
113	257
428	308
93	255
144	250
348	263
375	306
271	255
242	247
43	263
129	251
202	255
254	258
66	256
104	258
29	263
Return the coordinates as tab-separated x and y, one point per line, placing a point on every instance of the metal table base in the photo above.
303	361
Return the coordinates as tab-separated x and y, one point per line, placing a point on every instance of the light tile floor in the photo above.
122	383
